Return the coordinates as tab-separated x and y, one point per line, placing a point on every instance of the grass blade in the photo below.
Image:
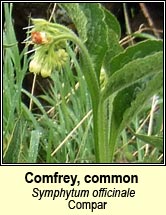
34	146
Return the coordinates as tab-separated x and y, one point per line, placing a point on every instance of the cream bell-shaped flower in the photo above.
35	66
46	71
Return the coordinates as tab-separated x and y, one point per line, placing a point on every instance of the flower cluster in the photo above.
49	53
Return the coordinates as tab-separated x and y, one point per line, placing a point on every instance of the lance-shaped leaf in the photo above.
156	141
140	50
126	105
119	104
113	50
132	73
153	87
112	22
96	33
114	34
78	17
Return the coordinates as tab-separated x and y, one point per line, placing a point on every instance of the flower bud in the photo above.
61	58
34	66
62	54
39	37
46	71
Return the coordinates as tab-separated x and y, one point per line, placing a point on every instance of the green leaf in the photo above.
127	104
29	115
36	101
9	45
153	87
96	33
159	117
113	50
78	17
121	102
113	35
156	141
34	145
118	105
140	50
112	22
9	36
132	73
14	148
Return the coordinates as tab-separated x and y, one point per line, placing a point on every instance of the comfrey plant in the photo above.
111	73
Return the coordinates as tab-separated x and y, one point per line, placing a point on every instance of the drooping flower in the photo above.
46	71
35	66
50	52
39	37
